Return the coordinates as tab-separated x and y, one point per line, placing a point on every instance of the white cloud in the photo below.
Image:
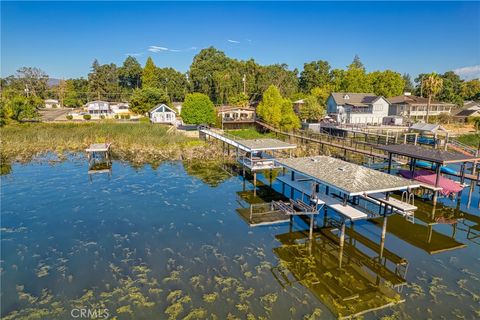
468	73
157	49
233	41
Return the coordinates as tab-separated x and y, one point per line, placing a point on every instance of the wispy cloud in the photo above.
233	41
157	49
468	73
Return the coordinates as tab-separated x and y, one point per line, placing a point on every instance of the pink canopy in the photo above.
449	186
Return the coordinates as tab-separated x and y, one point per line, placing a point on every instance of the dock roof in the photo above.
349	178
428	154
266	144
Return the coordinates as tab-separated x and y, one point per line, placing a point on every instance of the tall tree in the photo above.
173	82
130	74
471	90
357	63
314	74
103	82
33	81
290	120
432	85
451	88
409	87
311	110
150	74
143	100
270	108
387	83
279	76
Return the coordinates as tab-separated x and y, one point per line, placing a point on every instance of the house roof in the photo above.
467	112
158	106
354	99
426	127
299	101
347	177
427	154
265	144
409	99
51	100
229	108
471	105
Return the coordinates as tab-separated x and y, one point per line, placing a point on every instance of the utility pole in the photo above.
244	79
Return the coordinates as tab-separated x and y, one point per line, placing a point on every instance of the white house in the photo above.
162	113
52	103
98	107
362	108
415	108
120	108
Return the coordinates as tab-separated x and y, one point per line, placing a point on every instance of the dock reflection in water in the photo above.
347	281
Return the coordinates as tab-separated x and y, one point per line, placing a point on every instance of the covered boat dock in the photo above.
351	182
438	158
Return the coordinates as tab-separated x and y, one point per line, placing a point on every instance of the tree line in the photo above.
224	80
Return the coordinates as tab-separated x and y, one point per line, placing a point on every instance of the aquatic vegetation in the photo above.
210	297
198	313
316	314
174	276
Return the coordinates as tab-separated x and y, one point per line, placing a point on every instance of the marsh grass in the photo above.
136	142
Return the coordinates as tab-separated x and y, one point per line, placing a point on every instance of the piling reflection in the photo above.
348	281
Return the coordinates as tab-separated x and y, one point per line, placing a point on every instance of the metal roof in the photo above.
265	144
427	154
426	127
347	177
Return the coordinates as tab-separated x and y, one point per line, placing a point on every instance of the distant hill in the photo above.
53	82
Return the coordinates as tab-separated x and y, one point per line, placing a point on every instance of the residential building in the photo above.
236	117
98	107
470	109
297	105
357	108
119	108
52	103
415	108
162	113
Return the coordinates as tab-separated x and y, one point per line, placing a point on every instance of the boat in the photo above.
433	166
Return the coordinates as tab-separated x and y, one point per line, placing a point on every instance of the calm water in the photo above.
170	243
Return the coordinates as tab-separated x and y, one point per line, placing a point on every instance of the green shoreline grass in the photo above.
140	142
472	140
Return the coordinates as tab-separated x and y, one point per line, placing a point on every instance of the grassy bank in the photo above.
470	139
141	142
250	133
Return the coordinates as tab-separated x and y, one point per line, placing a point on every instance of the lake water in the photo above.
168	242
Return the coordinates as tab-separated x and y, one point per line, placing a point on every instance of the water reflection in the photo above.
346	280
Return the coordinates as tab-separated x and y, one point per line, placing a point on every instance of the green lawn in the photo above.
250	133
470	139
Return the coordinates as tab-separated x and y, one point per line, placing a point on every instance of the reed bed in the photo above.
135	142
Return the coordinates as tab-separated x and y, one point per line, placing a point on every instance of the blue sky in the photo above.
63	38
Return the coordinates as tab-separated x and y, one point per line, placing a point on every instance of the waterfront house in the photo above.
52	103
357	108
98	107
162	113
415	108
236	117
119	108
471	109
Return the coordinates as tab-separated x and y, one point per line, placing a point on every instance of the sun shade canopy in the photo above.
428	154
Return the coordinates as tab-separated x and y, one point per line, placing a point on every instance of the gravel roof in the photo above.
347	177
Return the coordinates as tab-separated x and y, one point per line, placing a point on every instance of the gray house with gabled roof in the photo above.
357	108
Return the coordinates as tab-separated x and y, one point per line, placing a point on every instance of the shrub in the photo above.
102	116
115	116
127	116
87	117
198	109
69	117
